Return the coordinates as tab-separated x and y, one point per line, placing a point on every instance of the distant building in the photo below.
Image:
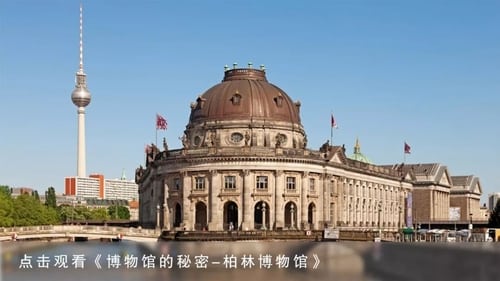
83	187
466	194
97	187
492	200
16	191
120	189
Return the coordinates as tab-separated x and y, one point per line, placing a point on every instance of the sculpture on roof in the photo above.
325	146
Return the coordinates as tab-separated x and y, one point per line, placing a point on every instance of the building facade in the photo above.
96	186
245	165
492	200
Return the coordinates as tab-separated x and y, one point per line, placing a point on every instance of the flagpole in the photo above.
331	135
332	125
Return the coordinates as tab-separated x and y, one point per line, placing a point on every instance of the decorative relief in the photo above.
280	139
197	141
236	137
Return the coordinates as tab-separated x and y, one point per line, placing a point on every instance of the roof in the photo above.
244	94
466	184
357	155
435	173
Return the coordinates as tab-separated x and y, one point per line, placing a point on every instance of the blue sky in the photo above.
425	72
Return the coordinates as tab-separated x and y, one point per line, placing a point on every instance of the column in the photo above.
166	213
279	189
303	204
215	210
187	208
247	206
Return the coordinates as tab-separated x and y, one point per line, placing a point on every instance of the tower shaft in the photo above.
81	148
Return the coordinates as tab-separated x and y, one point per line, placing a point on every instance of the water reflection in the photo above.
224	260
284	260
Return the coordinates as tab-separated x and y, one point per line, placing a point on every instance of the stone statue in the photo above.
305	142
165	145
325	146
278	141
185	141
138	173
247	138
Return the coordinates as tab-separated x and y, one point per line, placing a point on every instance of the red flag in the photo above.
334	125
161	123
407	148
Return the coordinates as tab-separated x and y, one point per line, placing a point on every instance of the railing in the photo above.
80	229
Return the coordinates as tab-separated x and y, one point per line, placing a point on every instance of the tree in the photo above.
5	189
119	212
6	207
99	214
50	198
29	211
35	194
494	221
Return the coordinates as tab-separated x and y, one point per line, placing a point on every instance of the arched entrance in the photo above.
230	216
311	212
177	215
291	215
261	215
200	216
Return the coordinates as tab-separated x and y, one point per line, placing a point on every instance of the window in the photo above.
177	183
279	100
312	185
236	98
199	183
236	137
290	183
230	182
261	182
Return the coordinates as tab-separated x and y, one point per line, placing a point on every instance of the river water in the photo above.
125	260
248	261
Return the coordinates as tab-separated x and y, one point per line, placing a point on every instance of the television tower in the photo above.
81	98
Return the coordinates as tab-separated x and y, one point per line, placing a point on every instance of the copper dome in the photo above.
244	94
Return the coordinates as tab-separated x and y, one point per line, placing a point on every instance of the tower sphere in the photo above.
80	96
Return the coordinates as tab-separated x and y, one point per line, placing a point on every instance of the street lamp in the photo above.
166	219
292	216
158	216
264	215
73	213
379	223
400	221
470	225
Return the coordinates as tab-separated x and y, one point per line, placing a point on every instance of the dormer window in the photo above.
236	98
279	100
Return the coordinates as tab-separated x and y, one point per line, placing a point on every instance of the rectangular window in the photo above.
290	183
312	185
261	182
200	183
177	183
230	182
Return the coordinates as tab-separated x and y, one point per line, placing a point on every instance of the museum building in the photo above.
245	165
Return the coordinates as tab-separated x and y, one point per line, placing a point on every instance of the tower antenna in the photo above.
81	39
